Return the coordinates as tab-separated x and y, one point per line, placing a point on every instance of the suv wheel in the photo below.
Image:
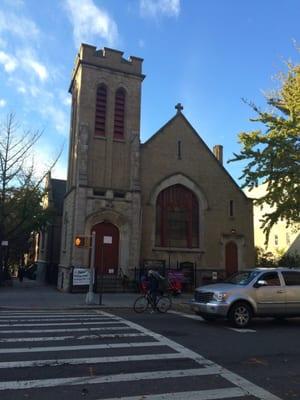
240	315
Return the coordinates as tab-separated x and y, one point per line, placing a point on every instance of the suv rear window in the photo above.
291	278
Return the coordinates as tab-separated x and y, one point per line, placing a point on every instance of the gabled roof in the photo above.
181	116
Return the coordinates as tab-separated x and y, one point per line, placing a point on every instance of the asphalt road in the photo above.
121	355
267	354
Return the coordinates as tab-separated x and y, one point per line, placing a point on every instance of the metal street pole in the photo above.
90	296
101	273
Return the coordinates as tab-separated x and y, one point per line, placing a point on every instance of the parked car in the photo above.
260	292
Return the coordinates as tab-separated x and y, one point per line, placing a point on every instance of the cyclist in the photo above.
155	284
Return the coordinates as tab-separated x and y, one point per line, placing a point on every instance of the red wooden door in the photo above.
107	248
231	258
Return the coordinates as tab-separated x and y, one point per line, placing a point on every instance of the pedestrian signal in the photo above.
79	241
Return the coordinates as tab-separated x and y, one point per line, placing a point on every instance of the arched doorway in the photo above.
107	248
231	258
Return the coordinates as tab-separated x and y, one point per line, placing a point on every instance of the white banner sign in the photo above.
107	239
81	276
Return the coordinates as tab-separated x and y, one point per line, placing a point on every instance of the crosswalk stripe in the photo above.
69	337
213	394
83	347
17	314
89	380
90	360
53	319
249	387
106	321
114	321
93	328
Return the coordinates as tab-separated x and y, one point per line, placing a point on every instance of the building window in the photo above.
100	114
179	150
276	240
119	114
177	218
231	210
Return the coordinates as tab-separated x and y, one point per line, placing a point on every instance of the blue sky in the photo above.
208	55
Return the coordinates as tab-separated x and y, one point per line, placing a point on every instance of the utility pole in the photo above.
90	296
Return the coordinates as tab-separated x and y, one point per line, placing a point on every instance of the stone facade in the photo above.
48	249
117	181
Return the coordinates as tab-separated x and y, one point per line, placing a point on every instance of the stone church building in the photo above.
167	202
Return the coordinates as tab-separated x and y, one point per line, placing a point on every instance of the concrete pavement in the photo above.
34	295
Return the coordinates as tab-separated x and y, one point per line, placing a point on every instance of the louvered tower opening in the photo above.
100	115
119	114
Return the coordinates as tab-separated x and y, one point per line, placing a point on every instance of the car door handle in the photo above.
280	291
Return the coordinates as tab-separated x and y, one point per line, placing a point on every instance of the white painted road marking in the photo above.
182	314
90	329
243	330
89	380
70	337
247	386
214	394
89	360
114	321
197	317
83	347
53	319
241	387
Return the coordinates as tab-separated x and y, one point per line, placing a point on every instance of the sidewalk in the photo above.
35	295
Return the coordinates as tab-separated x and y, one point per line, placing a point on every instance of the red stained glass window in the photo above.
177	218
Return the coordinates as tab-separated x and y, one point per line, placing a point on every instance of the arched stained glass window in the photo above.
119	120
177	218
100	114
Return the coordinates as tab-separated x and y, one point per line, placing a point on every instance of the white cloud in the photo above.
156	8
2	103
39	100
67	101
9	62
18	25
21	89
90	22
39	69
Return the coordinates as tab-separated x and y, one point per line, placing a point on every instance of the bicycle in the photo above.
142	303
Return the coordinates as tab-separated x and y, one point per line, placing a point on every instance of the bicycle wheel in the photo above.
141	304
163	304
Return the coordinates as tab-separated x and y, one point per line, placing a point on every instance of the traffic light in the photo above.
79	241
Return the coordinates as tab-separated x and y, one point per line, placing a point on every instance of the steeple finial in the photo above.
179	108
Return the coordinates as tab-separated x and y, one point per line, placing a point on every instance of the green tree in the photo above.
272	155
21	192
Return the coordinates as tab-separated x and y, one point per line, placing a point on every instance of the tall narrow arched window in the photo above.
177	218
119	120
100	114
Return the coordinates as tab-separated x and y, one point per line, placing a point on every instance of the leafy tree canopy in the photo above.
21	192
273	154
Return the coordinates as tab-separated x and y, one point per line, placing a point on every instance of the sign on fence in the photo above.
81	276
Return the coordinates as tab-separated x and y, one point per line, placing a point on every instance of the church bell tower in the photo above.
103	184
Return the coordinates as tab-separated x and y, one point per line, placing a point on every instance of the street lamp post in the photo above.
90	296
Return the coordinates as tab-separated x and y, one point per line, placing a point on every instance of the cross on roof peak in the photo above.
179	108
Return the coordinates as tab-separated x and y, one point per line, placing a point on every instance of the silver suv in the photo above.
260	292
